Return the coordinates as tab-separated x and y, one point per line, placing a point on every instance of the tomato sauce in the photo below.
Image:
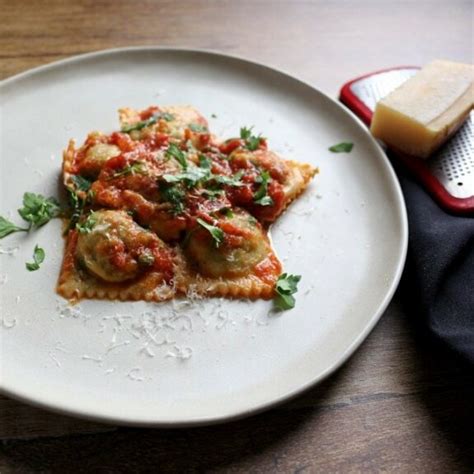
133	181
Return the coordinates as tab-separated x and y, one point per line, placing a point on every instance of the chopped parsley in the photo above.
194	176
261	197
146	258
245	133
81	183
198	128
252	142
38	259
174	152
229	180
252	221
343	147
87	226
286	286
134	168
175	196
205	162
212	194
77	205
191	177
7	227
146	123
228	212
216	233
37	210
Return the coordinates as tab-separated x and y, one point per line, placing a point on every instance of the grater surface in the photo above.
452	164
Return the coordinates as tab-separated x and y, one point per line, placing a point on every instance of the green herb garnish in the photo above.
134	168
261	197
343	147
87	226
228	212
7	227
202	175
146	258
191	177
229	180
175	196
198	128
174	152
146	123
252	221
216	233
81	183
286	286
77	205
205	162
252	142
37	210
245	133
167	116
212	194
38	259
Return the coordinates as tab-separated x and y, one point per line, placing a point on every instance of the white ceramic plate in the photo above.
205	361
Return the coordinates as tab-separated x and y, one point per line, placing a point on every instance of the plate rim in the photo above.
400	206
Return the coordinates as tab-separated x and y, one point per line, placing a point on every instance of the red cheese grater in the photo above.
449	174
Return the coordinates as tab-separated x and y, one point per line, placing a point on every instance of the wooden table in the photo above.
400	403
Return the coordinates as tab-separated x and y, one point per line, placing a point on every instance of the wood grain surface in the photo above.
402	403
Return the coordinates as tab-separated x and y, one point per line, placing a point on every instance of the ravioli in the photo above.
163	208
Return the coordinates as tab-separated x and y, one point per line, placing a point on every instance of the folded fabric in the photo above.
440	268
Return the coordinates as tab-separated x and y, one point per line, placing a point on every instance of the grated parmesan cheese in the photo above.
54	359
8	324
9	251
133	375
182	353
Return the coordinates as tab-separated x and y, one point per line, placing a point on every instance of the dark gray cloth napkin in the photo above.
439	276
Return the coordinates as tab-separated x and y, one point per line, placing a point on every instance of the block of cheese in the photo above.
421	114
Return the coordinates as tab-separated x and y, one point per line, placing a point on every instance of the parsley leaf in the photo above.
77	205
245	133
265	201
38	258
198	128
134	168
37	210
87	226
174	152
229	180
205	162
175	196
7	227
252	142
167	116
196	175
228	212
286	286
212	194
216	233
191	177
146	123
146	258
261	197
343	147
82	184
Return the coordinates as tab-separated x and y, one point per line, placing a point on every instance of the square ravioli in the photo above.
163	208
